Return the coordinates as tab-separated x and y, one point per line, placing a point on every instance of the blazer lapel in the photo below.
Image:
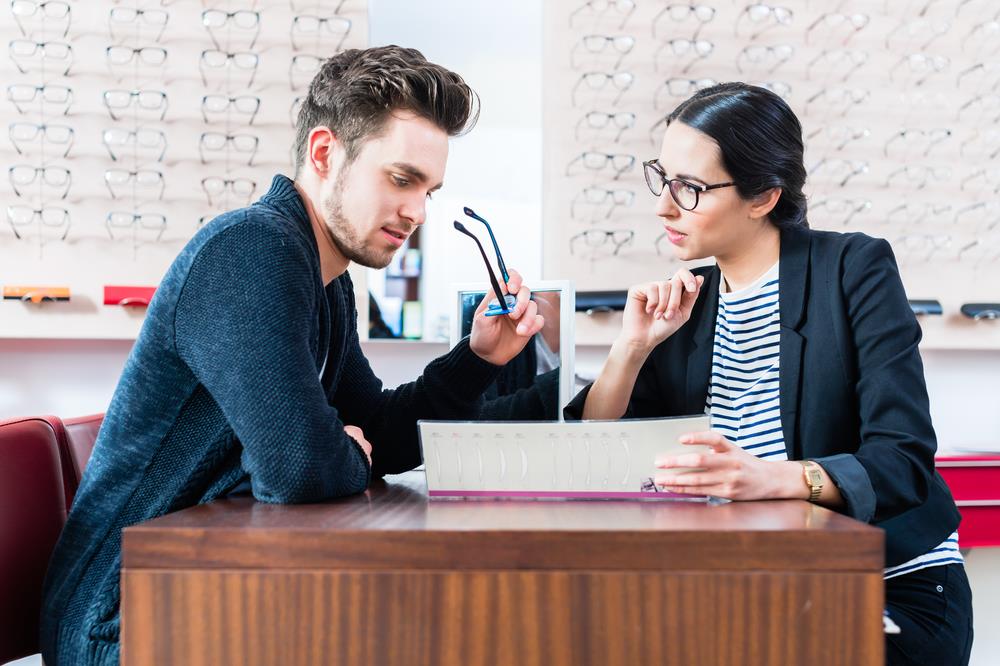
699	362
792	288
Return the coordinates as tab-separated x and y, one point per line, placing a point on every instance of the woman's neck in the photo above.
752	259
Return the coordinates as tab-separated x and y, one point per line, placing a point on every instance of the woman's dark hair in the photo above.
355	91
761	143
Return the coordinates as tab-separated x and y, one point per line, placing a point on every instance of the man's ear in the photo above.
764	203
321	150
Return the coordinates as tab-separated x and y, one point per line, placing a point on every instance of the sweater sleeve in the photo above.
538	402
450	388
245	324
892	469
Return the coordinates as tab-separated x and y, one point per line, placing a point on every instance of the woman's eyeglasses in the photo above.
684	193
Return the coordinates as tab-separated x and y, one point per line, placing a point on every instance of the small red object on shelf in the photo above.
128	296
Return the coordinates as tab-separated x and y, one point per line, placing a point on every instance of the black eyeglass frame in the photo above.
500	263
665	183
504	302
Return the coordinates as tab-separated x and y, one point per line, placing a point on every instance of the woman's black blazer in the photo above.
852	389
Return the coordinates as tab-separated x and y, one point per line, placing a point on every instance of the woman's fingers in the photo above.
689	480
718	442
688	278
652	292
684	285
690	297
664	290
691	461
676	291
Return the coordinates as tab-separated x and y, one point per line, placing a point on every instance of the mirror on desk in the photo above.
537	383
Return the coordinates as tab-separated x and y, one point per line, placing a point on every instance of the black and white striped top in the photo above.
743	396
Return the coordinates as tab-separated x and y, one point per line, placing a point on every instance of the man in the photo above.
248	373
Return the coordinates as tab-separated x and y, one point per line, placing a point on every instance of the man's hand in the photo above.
499	339
359	437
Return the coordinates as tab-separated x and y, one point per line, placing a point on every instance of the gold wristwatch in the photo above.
813	477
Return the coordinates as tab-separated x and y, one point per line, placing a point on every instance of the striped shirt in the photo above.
743	396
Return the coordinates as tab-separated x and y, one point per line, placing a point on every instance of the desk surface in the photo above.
394	525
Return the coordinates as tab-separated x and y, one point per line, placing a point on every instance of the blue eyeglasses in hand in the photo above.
495	307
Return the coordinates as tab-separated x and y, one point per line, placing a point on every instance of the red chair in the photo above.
36	481
81	433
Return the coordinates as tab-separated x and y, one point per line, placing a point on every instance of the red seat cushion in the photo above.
33	502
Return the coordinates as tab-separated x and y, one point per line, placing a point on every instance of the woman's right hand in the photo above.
656	310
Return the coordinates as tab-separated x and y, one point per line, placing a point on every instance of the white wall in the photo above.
61	377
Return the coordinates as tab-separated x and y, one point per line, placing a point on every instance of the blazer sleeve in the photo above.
893	466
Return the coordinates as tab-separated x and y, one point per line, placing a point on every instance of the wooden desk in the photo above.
391	578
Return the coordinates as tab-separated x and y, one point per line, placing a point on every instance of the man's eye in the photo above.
400	182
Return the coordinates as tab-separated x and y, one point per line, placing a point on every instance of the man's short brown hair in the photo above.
355	91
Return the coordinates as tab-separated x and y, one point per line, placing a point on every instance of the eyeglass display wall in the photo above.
899	103
129	125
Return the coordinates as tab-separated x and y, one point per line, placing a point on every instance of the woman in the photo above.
801	346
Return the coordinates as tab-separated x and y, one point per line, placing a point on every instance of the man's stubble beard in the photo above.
343	234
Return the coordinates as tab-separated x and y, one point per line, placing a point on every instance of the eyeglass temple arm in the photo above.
500	263
493	277
718	185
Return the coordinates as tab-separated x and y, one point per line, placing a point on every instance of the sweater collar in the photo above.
283	194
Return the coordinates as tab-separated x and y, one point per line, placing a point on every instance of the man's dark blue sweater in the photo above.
246	370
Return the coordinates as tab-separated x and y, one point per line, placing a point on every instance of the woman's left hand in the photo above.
728	471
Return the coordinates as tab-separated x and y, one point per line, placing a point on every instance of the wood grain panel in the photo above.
394	526
527	618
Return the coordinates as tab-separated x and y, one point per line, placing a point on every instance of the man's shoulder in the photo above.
257	245
253	221
253	232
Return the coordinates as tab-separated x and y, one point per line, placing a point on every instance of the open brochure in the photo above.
574	460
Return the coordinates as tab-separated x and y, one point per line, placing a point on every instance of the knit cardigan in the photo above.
245	372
